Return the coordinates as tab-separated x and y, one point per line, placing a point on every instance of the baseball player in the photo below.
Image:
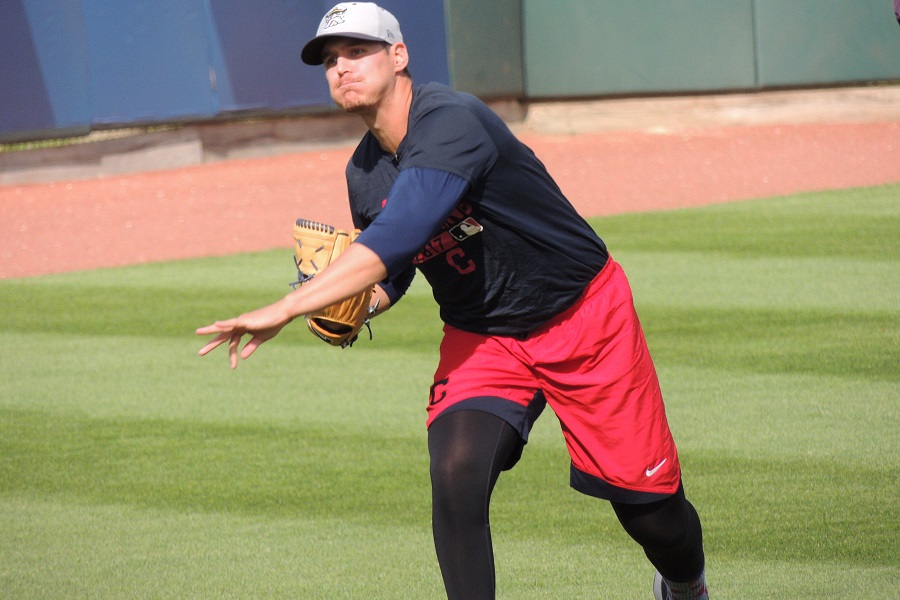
535	310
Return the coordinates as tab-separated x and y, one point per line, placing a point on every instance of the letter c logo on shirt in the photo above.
456	258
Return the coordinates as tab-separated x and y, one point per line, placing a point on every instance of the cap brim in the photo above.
312	51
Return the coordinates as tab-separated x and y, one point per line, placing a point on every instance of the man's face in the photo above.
359	72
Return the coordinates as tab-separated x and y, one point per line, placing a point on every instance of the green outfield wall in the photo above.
809	42
579	48
485	47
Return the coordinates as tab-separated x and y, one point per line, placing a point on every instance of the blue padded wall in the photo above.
43	66
71	65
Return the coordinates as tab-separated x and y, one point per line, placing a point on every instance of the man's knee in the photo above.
468	449
668	524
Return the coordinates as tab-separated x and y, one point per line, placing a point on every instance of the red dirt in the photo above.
248	205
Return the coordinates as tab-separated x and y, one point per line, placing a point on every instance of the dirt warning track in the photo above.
249	204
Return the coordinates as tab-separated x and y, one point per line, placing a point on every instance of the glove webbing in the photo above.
315	225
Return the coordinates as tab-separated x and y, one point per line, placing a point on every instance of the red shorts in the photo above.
592	366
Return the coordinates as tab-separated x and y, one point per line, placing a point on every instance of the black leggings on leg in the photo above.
468	451
669	532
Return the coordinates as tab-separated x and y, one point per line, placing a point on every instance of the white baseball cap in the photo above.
362	20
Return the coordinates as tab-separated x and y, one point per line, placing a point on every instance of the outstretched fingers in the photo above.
213	343
251	346
261	325
233	345
227	332
222	327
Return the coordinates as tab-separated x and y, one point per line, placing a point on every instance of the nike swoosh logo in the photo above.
652	472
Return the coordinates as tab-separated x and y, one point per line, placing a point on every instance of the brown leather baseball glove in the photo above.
315	246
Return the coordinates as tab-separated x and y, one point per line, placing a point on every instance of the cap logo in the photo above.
335	17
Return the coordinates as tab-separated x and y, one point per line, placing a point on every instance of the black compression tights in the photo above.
468	451
669	532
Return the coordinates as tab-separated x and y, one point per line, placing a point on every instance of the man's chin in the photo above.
355	108
356	105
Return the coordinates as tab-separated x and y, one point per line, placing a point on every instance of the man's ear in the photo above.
400	54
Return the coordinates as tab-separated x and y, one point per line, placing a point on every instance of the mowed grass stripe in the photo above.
862	343
859	223
253	469
777	341
119	307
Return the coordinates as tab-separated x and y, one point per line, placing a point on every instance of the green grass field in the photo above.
132	468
